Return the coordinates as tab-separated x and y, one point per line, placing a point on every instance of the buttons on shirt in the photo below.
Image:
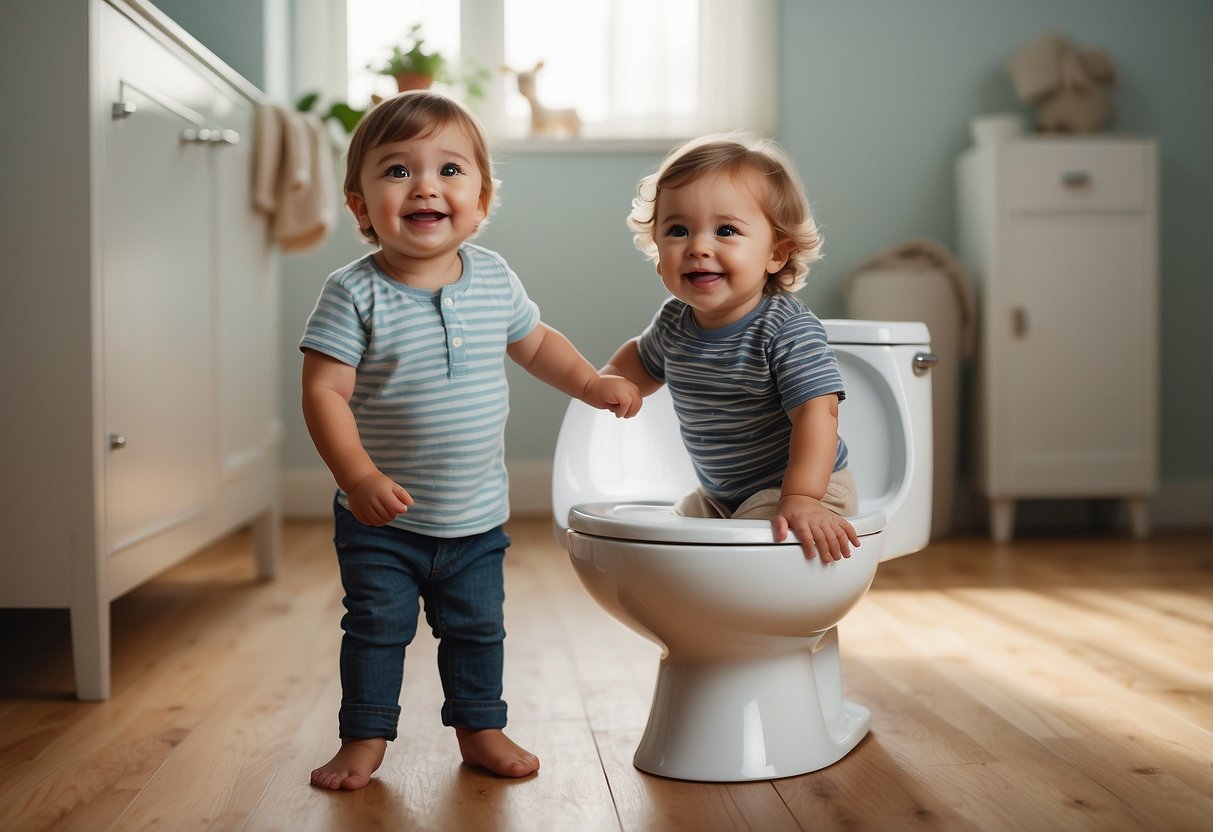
452	324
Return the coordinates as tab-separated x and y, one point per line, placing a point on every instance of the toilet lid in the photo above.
885	333
656	522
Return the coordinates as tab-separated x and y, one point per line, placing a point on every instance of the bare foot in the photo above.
352	766
490	748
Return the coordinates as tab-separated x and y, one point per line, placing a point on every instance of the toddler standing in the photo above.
405	398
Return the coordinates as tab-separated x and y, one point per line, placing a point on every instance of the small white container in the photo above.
996	127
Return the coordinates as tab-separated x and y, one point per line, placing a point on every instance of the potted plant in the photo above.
414	69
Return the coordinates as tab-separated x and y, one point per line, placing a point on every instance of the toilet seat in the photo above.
656	522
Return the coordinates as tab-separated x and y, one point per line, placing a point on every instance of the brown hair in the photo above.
783	199
408	116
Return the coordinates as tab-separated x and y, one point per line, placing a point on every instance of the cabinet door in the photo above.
1076	401
156	241
245	275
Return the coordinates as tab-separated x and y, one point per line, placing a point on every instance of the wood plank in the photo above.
1058	683
869	789
985	791
648	804
1038	688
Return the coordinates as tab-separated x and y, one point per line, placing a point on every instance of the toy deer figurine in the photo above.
544	120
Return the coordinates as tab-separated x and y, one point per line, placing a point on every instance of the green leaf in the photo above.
345	115
307	102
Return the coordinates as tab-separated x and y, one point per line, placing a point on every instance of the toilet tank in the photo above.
600	458
886	423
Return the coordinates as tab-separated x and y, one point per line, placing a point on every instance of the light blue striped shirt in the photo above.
431	397
732	388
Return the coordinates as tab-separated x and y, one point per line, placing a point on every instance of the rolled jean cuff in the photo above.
474	716
364	722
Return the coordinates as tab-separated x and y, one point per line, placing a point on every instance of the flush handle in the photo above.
924	361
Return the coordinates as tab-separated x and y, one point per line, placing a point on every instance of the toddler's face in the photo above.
422	196
715	246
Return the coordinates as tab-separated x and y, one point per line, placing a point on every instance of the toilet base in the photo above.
751	719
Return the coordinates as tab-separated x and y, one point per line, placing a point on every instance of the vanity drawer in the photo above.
1064	176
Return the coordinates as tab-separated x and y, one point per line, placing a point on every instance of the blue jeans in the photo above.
385	572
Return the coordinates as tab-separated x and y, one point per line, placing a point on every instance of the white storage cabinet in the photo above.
140	326
1061	236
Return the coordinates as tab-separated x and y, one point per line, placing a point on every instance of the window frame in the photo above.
320	64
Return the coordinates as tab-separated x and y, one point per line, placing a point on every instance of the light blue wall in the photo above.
876	97
233	29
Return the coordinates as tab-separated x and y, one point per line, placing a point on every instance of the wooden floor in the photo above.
1058	683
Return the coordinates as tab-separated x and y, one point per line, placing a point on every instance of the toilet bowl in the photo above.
749	685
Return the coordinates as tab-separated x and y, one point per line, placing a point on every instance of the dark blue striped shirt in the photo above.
732	388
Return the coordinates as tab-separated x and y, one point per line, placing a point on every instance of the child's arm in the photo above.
328	384
550	357
626	362
811	453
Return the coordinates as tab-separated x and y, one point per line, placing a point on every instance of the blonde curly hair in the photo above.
784	202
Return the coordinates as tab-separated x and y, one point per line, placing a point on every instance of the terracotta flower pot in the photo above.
413	81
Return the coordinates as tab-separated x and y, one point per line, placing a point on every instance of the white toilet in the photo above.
749	685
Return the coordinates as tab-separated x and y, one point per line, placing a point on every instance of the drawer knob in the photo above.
117	441
1075	178
1019	322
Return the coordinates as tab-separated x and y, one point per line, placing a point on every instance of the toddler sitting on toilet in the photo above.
753	381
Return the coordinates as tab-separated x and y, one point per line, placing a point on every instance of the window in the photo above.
632	69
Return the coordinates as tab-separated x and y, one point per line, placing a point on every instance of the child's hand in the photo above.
613	393
378	499
814	525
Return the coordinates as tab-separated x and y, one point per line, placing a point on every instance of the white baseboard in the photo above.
1183	504
530	487
307	493
1177	505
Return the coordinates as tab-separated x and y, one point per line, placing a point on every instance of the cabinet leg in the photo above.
1002	520
267	542
1139	516
91	651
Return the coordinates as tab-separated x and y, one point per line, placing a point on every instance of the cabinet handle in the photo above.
1019	322
209	135
117	441
924	361
122	109
1075	178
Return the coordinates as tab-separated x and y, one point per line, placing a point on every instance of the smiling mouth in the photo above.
425	216
702	278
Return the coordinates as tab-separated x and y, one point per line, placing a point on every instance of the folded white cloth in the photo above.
293	176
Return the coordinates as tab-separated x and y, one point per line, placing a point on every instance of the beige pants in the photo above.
841	497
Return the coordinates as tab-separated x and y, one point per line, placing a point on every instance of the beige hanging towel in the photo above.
293	177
